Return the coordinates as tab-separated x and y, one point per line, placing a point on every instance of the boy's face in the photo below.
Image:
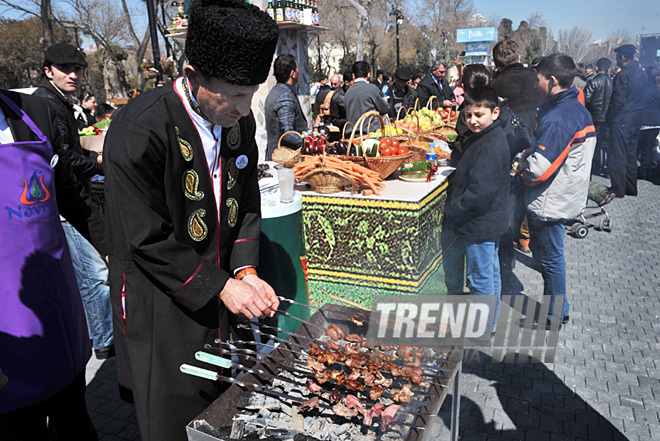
480	117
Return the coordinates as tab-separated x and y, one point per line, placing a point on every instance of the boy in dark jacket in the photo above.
477	207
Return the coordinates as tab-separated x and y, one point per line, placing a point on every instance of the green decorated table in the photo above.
361	246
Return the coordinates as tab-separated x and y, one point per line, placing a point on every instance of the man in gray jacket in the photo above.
282	108
363	97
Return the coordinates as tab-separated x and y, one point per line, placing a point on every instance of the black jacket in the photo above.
73	201
628	95
428	88
407	101
83	165
597	96
338	108
651	116
517	84
283	114
477	204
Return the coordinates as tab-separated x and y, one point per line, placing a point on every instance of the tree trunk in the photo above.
46	20
360	38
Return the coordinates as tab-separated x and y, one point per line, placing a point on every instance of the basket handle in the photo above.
416	106
279	142
358	123
343	131
429	104
398	113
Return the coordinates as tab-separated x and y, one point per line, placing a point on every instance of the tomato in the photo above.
395	143
444	114
402	150
383	144
389	151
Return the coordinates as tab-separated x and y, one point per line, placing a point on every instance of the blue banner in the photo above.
481	48
476	35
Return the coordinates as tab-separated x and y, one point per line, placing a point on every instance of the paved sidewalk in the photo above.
605	382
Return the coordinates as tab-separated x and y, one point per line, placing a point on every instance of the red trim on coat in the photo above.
245	240
190	278
122	290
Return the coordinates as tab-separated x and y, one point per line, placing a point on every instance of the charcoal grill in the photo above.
218	417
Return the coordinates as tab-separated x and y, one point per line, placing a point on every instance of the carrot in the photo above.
367	192
370	184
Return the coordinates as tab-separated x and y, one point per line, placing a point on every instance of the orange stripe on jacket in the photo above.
560	160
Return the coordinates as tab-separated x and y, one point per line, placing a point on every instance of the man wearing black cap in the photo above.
401	94
64	66
624	116
183	216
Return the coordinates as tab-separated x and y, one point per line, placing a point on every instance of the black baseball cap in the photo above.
64	53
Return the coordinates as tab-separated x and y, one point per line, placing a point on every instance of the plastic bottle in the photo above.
315	142
432	155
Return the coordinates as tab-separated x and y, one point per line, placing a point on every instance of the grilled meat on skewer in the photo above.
313	387
353	401
354	375
369	379
334	346
351	349
335	396
314	365
388	415
353	338
314	349
335	332
338	376
329	357
354	385
310	404
369	415
359	318
341	410
403	396
375	360
322	376
375	393
413	374
355	361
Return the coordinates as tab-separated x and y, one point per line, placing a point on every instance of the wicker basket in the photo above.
383	165
327	180
285	155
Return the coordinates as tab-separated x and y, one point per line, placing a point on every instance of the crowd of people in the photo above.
174	263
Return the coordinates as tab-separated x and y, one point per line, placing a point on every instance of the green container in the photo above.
282	260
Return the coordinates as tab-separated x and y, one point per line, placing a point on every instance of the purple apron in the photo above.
44	343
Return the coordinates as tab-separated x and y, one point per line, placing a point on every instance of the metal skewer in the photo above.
293	302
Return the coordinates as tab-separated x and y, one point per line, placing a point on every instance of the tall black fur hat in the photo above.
231	40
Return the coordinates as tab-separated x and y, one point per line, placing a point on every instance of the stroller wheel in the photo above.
606	225
579	231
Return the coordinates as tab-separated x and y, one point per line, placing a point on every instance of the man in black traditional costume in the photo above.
183	215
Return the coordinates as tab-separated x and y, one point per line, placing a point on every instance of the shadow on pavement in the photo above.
113	418
536	405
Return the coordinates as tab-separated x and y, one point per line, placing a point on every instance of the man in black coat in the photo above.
435	83
624	116
184	216
282	108
337	106
401	94
597	95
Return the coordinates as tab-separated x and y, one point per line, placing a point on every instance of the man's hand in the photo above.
447	103
241	297
265	291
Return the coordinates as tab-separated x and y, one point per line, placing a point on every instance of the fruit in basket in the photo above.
369	147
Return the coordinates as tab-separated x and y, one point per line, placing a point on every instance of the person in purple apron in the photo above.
44	343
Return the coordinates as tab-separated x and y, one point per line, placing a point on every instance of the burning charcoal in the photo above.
340	430
335	396
203	426
335	332
237	429
359	318
388	415
254	401
264	413
343	411
310	404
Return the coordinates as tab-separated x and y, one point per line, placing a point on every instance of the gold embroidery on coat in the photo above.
191	184
232	174
232	216
196	226
234	137
184	146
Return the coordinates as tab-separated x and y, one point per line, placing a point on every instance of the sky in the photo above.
599	16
